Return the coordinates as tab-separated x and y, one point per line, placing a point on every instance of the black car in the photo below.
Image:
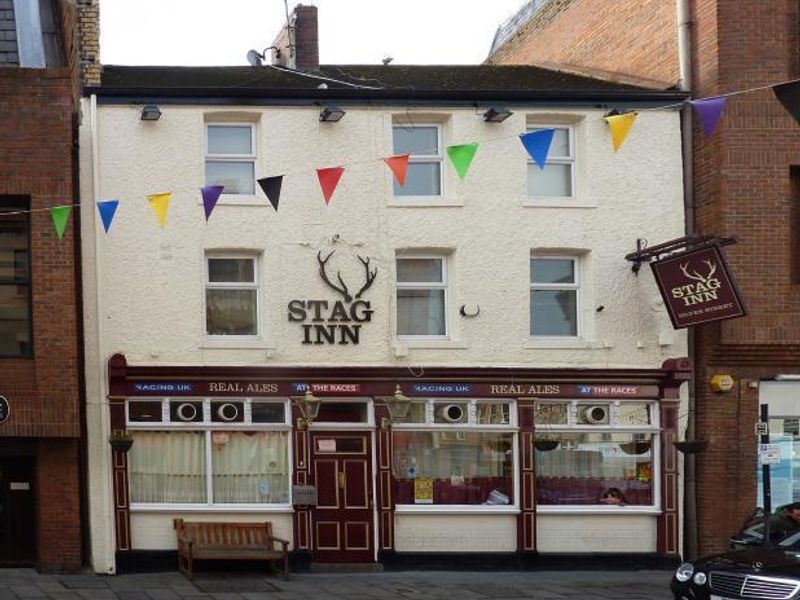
763	572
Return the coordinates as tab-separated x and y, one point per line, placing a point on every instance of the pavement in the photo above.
27	584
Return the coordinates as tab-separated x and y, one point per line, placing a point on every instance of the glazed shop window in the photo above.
455	452
231	157
231	295
15	282
424	174
184	467
422	296
600	454
557	179
555	284
454	467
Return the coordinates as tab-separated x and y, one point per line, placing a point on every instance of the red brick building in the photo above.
40	355
746	184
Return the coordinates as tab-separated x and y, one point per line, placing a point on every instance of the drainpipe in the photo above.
684	25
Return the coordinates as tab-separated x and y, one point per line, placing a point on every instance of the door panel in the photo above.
17	510
343	519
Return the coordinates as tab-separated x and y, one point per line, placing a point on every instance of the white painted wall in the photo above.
455	533
571	533
154	530
143	285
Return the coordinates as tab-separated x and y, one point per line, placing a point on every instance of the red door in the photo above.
343	519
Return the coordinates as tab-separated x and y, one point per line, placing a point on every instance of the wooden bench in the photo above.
228	541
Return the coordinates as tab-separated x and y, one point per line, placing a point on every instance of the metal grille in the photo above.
739	585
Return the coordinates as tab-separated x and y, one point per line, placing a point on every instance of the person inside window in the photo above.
613	496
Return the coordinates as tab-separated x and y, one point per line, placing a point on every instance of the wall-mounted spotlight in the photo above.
331	114
151	112
496	114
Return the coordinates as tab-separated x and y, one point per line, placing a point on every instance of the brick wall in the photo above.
58	509
627	40
88	35
306	39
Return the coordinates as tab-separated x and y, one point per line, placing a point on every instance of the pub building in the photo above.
504	467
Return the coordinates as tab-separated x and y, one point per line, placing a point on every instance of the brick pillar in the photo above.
58	505
298	40
89	41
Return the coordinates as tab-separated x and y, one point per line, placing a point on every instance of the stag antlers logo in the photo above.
337	322
705	289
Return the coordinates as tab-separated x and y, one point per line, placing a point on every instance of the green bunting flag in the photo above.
461	157
60	215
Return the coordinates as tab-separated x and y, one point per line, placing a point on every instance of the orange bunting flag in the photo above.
620	126
159	203
399	165
328	180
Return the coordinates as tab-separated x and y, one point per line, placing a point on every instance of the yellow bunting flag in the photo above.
159	203
620	126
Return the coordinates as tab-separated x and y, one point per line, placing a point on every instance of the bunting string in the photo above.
535	142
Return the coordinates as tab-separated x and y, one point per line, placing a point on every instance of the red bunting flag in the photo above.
328	180
399	165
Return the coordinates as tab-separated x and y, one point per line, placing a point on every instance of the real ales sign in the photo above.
697	288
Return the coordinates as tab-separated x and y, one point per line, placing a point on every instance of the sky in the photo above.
220	32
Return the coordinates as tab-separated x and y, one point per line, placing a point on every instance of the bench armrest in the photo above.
280	541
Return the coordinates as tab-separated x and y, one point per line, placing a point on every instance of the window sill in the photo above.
598	510
431	344
422	201
205	508
456	509
557	203
558	343
236	344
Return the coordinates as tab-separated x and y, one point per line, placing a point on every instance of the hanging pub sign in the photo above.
5	409
334	321
697	287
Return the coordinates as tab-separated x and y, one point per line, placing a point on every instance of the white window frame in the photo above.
256	284
576	285
557	160
613	426
470	425
251	157
423	158
207	427
444	285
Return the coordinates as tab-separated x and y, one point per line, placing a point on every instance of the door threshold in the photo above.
346	567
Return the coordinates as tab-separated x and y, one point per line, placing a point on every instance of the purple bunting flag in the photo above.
211	194
708	110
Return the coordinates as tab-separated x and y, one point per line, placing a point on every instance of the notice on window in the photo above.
423	490
326	445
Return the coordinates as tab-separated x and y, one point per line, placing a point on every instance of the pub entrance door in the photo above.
17	511
343	521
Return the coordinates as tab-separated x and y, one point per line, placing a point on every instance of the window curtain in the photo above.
251	468
168	467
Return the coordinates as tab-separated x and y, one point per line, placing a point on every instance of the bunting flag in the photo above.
461	157
708	110
788	94
211	194
272	188
60	215
159	203
620	126
399	165
107	210
328	180
537	143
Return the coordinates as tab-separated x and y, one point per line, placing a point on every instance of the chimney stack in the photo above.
298	40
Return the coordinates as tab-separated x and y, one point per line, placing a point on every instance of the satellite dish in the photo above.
254	58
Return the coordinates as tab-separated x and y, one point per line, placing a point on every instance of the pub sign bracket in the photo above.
688	243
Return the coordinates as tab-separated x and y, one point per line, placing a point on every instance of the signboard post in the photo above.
765	477
697	287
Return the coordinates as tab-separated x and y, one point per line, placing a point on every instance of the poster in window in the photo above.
423	490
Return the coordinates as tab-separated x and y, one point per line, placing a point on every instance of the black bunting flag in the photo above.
272	188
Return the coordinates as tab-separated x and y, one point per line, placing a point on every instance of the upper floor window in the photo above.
555	284
231	295
557	179
231	157
422	296
15	281
423	144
